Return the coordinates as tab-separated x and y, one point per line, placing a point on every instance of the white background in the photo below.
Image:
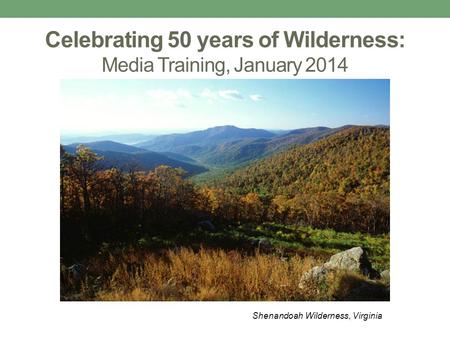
30	75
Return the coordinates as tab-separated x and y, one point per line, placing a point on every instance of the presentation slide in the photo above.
238	169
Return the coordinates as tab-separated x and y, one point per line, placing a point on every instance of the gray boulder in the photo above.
315	276
354	260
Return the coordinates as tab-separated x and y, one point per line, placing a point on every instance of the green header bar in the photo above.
224	9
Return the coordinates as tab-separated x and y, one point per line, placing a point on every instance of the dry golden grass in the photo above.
208	274
183	274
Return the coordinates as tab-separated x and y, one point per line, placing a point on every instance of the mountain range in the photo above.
230	145
178	143
195	152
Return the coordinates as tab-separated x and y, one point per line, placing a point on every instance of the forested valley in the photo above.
156	234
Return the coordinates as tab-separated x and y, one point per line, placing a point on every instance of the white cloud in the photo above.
230	94
181	98
177	98
208	94
256	97
226	94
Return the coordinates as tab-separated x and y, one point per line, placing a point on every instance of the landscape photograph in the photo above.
225	190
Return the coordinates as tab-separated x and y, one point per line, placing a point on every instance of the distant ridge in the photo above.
129	139
141	160
110	146
178	143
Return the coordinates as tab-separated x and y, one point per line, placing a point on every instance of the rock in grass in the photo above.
315	276
353	260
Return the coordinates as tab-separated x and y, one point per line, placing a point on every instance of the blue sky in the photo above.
96	106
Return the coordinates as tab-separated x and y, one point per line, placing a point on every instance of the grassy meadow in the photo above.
206	271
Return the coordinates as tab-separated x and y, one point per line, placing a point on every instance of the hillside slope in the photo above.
353	160
340	182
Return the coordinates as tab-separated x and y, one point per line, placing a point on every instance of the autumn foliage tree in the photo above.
340	182
100	205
